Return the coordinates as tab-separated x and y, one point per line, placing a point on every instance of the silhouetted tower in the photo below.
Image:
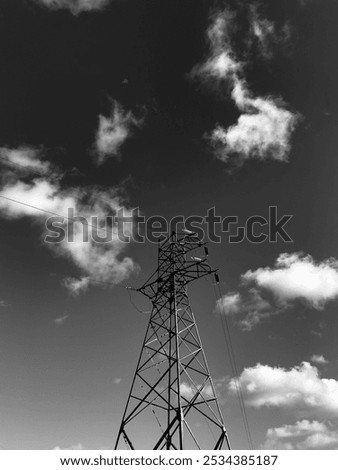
172	403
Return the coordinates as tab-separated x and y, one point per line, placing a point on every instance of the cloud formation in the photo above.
302	435
189	390
229	304
300	388
98	262
113	131
298	276
264	127
61	320
263	130
75	6
250	306
222	62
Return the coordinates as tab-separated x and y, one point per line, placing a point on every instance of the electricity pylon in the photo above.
172	403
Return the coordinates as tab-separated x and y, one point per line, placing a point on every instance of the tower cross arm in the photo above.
190	271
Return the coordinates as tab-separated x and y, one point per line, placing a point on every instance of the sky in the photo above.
173	107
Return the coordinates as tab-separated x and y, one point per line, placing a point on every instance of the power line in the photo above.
231	354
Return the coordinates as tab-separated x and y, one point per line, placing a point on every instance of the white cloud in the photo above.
302	435
304	3
61	320
319	359
264	128
250	304
76	286
316	333
220	66
189	390
296	276
78	446
255	308
113	131
264	34
117	380
300	388
24	158
101	262
229	304
222	62
269	291
4	304
75	6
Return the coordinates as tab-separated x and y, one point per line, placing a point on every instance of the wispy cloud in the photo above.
113	131
316	333
61	320
263	130
75	6
298	389
264	127
304	3
302	435
24	159
76	286
270	291
319	359
229	304
78	446
4	304
250	308
189	390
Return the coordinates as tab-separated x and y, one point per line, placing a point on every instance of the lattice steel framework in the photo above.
172	402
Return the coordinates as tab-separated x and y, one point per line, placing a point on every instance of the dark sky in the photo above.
65	383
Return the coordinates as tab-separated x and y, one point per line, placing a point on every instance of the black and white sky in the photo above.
175	107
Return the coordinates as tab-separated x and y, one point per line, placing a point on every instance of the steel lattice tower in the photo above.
172	393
